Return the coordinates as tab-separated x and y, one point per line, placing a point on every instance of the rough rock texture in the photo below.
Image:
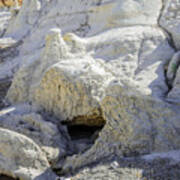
8	50
170	19
94	63
173	76
22	119
173	67
175	92
4	19
4	86
21	157
10	3
151	167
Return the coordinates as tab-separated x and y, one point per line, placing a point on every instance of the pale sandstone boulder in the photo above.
4	21
51	139
71	76
92	79
10	3
170	21
104	67
21	158
85	18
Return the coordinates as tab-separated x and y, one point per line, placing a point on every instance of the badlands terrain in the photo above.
90	89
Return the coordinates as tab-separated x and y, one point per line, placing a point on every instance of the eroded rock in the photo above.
173	67
52	140
95	63
170	19
4	86
173	95
4	19
21	158
10	3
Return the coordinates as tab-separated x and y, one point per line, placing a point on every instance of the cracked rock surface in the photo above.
107	66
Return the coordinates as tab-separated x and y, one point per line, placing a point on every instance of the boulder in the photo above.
21	158
169	20
10	3
96	63
51	139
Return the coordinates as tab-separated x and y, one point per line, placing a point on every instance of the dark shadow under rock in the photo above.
82	134
4	86
4	177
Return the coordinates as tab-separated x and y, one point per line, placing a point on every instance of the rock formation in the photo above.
10	3
109	67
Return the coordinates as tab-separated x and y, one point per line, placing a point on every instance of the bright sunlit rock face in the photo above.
10	3
92	63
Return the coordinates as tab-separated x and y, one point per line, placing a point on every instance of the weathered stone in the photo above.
174	94
116	76
20	157
96	63
10	3
75	75
4	86
4	19
8	52
51	140
84	18
173	67
170	19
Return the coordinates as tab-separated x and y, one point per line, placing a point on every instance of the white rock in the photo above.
170	19
24	120
4	21
59	80
101	59
20	157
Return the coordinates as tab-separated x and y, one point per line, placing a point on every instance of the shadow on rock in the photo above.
131	168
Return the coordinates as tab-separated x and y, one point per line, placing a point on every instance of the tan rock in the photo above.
10	3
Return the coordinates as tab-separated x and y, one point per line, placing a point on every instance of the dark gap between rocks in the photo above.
83	137
4	86
4	177
166	79
77	132
83	132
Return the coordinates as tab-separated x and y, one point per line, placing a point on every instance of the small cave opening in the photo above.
77	132
83	134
